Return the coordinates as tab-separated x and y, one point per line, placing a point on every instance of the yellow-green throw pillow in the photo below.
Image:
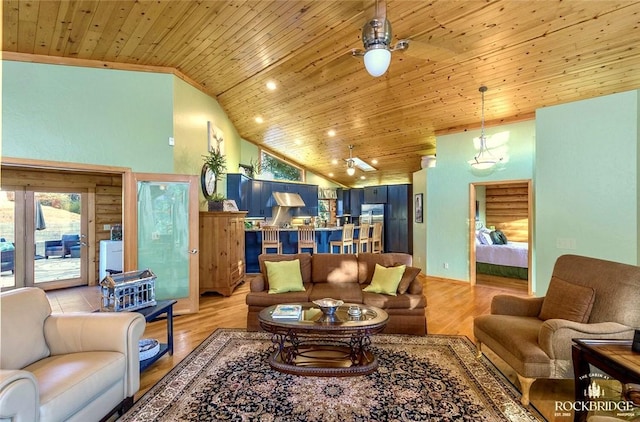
385	280
284	276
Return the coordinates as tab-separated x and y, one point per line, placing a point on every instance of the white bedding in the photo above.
513	254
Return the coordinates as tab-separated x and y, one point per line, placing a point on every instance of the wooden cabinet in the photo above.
222	265
375	195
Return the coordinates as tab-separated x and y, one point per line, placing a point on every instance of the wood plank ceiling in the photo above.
530	54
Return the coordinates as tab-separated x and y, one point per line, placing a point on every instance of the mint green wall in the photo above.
447	202
87	115
586	186
420	229
192	110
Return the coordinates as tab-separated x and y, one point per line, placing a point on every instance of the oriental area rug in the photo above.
432	378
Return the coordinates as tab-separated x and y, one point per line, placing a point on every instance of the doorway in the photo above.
43	238
505	207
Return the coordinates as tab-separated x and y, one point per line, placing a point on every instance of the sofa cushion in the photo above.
385	280
394	302
347	292
284	276
410	274
23	340
305	265
68	382
367	263
264	299
334	268
567	301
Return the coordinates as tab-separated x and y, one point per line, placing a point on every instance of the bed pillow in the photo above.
284	276
385	280
484	237
568	301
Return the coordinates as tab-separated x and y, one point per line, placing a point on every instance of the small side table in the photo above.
151	313
613	357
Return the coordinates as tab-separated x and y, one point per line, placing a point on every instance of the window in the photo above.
276	169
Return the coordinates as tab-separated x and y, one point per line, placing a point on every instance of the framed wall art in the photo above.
417	209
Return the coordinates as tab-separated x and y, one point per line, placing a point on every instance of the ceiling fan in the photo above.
355	162
376	37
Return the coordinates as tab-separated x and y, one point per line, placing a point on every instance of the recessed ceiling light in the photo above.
259	120
362	177
331	133
334	161
330	174
271	85
374	161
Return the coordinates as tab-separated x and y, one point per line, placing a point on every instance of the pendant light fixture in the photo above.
351	165
483	160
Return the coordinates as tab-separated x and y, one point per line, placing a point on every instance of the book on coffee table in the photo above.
287	311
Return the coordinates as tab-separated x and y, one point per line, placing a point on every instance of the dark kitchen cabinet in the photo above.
398	230
375	195
309	195
356	198
239	189
260	204
255	196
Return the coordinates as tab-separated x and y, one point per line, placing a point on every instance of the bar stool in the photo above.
362	241
346	241
271	239
376	238
307	238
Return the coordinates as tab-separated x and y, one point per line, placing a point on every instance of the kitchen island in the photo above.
289	239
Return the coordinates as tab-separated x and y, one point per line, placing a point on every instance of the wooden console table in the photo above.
614	357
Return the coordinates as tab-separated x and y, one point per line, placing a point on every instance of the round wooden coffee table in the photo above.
318	345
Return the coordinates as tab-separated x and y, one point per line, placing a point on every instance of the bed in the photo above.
510	260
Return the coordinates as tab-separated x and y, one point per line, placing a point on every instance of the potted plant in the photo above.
216	202
215	164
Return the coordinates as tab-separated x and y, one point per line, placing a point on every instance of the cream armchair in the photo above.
587	298
65	367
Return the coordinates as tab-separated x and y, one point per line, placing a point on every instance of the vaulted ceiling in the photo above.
529	53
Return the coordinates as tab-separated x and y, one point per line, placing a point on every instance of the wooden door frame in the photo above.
472	228
33	164
130	208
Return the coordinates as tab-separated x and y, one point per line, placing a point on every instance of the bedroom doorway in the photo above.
503	206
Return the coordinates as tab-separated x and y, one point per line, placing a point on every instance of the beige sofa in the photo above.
343	276
65	367
587	298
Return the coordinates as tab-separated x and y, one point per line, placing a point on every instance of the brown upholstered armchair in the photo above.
587	298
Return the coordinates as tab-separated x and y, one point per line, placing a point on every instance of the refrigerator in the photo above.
110	257
372	213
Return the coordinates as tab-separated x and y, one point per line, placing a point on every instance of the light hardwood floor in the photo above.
451	308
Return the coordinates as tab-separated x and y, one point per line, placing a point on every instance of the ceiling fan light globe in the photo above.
377	61
351	171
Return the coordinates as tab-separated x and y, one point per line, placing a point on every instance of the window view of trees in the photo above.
276	169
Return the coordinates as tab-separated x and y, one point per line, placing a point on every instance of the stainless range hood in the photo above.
282	210
288	199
